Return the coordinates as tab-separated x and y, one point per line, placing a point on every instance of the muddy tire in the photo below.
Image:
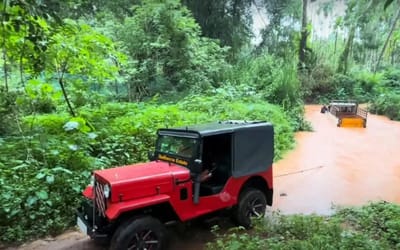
140	233
252	204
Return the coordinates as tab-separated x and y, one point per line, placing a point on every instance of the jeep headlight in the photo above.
107	191
92	180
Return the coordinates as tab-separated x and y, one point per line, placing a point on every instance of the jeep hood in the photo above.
141	180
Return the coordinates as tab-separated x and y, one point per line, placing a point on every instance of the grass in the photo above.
373	226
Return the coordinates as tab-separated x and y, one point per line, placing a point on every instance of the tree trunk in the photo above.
4	48
344	57
71	110
393	46
131	88
336	37
116	87
303	38
387	40
5	69
21	66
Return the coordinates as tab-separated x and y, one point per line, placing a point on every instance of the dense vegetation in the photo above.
45	169
373	226
85	84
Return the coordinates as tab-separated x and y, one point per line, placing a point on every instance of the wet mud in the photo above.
329	166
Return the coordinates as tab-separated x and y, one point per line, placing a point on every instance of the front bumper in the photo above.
90	224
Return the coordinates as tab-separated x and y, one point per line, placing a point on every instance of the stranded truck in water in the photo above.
194	171
348	113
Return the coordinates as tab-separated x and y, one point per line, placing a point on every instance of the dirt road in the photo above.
341	166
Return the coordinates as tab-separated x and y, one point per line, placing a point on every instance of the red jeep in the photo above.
194	171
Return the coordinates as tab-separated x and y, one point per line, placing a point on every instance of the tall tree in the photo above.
387	3
24	38
357	11
77	53
3	43
227	20
343	59
303	38
164	44
281	19
393	27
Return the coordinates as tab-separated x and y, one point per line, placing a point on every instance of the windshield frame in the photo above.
173	156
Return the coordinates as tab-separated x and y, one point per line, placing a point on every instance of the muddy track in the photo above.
330	166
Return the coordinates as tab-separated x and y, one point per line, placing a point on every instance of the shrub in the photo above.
380	221
374	226
392	78
39	97
7	109
387	104
167	50
317	84
270	79
343	86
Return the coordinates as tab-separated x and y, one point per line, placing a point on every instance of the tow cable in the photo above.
299	172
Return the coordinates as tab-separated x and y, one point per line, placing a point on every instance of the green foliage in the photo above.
366	87
387	104
79	58
42	176
381	90
166	50
271	79
374	226
392	79
46	158
76	44
343	86
45	168
278	39
318	83
7	109
39	97
380	221
41	51
225	20
24	36
325	85
387	101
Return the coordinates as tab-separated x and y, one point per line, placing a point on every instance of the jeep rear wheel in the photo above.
252	204
145	233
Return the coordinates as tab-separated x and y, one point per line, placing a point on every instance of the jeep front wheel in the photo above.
140	234
252	204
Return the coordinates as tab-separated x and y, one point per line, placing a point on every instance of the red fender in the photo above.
116	209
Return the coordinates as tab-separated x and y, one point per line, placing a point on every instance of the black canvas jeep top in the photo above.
249	145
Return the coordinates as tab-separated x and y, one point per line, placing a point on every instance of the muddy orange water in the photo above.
341	166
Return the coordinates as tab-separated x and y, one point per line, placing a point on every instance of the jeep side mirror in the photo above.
151	156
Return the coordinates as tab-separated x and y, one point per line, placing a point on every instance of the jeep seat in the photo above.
217	181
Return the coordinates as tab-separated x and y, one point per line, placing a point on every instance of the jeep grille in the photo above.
99	199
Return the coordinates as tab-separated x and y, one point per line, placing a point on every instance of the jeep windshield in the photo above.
176	149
